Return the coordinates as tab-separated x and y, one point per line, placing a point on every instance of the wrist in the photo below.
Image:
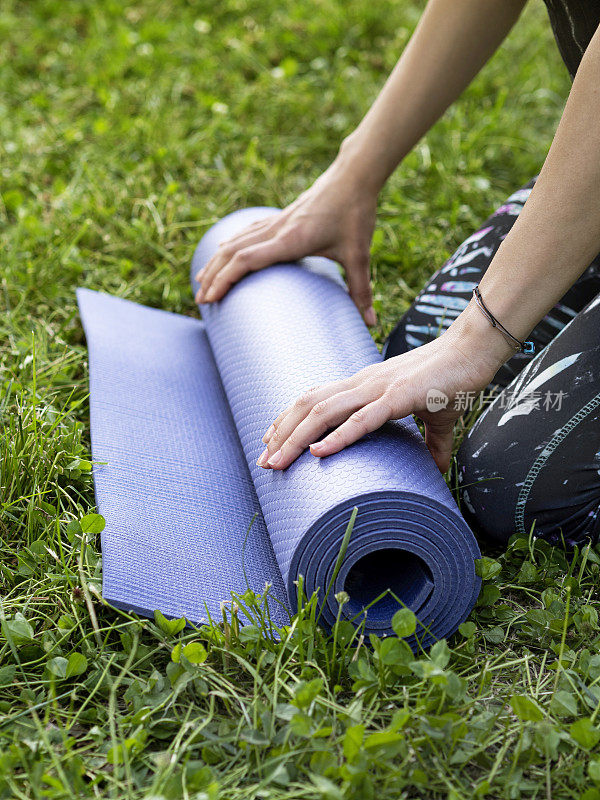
359	165
480	343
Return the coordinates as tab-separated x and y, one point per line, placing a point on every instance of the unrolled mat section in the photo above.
178	411
183	523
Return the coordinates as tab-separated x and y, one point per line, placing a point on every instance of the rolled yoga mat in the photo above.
178	409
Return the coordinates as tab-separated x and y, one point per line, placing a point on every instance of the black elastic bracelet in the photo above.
527	347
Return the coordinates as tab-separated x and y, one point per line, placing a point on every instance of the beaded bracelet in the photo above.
527	347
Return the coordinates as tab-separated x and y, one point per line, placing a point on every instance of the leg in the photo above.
533	457
450	289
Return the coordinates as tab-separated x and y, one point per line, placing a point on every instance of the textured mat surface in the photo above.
277	333
172	484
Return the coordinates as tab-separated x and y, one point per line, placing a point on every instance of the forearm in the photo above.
557	234
453	40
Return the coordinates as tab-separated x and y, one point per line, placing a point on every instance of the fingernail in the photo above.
262	458
316	448
268	434
200	273
198	298
275	459
210	295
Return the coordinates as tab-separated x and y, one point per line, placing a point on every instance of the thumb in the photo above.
358	275
439	438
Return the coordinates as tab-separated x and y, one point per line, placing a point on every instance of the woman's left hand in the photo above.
456	362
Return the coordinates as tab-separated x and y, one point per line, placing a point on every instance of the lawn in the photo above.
126	130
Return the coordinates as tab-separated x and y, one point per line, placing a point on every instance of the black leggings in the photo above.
532	459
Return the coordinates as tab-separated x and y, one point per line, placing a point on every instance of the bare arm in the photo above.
553	240
557	234
336	216
451	43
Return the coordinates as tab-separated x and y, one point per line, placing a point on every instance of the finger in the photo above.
271	222
291	418
323	416
233	240
359	286
211	268
277	422
271	431
366	374
365	420
250	259
224	255
274	425
439	438
256	226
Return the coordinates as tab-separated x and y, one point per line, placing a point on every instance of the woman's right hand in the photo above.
334	218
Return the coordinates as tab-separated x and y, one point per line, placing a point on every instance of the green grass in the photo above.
126	130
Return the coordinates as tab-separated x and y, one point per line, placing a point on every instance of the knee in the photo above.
505	490
486	499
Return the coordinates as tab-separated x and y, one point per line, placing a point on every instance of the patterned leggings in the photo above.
532	459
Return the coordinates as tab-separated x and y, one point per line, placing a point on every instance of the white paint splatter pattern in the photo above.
522	401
